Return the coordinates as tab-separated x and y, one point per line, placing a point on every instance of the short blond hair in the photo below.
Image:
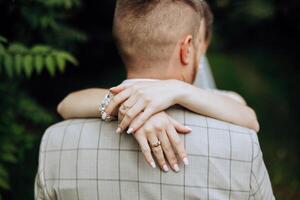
150	29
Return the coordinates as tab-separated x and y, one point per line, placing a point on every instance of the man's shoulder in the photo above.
222	139
190	118
68	133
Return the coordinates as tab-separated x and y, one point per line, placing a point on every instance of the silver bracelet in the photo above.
107	99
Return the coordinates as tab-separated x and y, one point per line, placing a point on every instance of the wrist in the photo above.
180	91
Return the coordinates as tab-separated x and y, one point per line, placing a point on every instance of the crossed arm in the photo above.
144	116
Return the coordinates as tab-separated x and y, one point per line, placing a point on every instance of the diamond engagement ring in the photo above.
124	107
107	99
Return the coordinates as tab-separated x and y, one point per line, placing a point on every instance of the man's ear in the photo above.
186	50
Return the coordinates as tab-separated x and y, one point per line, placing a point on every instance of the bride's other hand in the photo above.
142	99
158	137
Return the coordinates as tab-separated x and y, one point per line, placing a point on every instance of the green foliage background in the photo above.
254	52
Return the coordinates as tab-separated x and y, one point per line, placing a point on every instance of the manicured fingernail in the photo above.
188	128
112	88
130	130
104	115
153	165
165	168
176	168
118	130
185	161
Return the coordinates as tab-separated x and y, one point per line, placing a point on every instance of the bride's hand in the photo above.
158	137
140	101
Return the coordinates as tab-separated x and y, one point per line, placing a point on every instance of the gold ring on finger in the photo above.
156	145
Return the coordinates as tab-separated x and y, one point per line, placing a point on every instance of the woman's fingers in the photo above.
177	144
168	151
157	151
118	89
140	120
117	100
129	103
131	114
179	127
143	142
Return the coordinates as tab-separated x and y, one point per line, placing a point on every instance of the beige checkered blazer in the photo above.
85	159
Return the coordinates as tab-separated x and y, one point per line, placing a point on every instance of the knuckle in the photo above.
147	100
182	152
116	99
157	150
173	159
158	126
147	129
168	148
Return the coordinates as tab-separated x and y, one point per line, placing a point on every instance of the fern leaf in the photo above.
69	57
18	64
39	63
17	48
40	49
28	68
50	64
61	62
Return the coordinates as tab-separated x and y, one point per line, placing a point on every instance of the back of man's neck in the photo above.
150	75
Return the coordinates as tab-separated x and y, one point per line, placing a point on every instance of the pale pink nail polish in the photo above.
165	168
118	130
153	165
130	130
188	128
185	161
176	168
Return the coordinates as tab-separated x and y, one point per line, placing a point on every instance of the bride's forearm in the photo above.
216	106
82	104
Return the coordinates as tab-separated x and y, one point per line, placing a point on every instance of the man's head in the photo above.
161	39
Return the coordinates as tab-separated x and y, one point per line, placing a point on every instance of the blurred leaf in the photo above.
39	63
4	184
40	49
3	172
259	9
8	65
50	64
28	68
2	49
9	157
4	178
3	39
61	62
17	48
18	64
69	58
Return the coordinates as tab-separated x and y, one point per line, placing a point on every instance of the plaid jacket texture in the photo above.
85	159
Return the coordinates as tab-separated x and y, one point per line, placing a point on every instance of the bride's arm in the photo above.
227	106
145	99
85	103
82	104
